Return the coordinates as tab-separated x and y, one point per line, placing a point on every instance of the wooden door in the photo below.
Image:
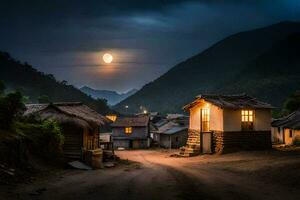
135	144
206	142
204	120
73	141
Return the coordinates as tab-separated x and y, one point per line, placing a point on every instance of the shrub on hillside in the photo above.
45	138
11	108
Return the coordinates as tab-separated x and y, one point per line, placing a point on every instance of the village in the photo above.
216	124
225	141
149	100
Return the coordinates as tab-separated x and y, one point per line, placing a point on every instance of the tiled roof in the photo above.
131	121
291	121
229	101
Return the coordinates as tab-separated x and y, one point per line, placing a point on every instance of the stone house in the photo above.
224	123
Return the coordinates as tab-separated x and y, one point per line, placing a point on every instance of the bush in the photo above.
45	138
11	108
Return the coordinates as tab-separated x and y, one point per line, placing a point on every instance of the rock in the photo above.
79	165
40	190
34	193
109	164
8	172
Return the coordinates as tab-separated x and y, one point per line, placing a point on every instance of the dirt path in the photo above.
156	175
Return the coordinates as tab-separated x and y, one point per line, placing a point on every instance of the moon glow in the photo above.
107	58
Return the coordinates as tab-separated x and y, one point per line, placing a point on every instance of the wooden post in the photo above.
201	134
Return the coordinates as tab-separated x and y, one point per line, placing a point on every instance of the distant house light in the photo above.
128	130
145	111
112	117
126	106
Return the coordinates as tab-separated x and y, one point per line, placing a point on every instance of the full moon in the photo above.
107	58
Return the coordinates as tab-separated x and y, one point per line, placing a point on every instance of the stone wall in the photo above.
224	142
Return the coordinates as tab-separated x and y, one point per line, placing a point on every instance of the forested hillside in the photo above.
36	85
260	62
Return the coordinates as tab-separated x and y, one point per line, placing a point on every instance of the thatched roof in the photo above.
137	121
68	112
230	101
291	121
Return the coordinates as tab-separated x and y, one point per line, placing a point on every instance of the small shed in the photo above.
131	132
286	130
80	125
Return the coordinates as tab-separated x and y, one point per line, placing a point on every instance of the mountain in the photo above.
35	84
112	97
250	62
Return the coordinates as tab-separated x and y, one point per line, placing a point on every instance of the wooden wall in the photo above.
181	139
137	132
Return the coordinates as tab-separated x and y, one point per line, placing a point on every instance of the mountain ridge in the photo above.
35	84
112	97
207	71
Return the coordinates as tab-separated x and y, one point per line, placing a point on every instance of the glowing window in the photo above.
247	115
112	117
128	130
205	120
247	119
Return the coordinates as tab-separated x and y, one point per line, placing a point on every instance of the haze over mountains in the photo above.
263	62
112	97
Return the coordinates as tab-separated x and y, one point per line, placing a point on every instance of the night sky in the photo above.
146	37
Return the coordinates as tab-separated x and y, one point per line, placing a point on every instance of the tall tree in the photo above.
2	87
43	99
11	107
292	103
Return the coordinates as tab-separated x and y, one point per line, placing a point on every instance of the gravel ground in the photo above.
153	174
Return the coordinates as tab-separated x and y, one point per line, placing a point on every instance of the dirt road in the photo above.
153	174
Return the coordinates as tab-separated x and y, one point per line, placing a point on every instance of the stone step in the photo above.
192	147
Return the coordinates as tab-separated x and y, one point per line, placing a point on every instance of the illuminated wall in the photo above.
215	116
228	119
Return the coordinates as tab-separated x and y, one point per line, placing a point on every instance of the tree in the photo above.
64	82
2	87
43	99
292	103
11	108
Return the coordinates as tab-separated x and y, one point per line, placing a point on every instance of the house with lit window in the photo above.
225	123
131	132
286	130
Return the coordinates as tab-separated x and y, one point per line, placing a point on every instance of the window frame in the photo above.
128	130
205	119
247	119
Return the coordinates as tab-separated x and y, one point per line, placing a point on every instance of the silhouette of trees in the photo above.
292	103
37	85
43	99
11	108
